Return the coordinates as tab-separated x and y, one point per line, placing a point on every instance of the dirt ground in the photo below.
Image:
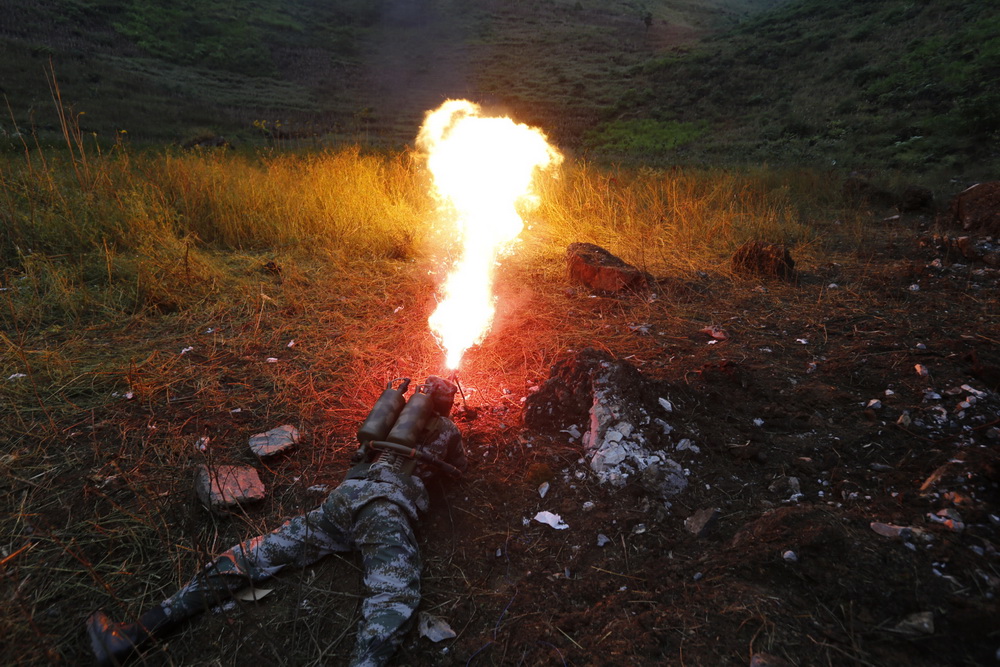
812	422
810	414
816	381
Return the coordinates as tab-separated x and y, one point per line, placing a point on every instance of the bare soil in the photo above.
787	394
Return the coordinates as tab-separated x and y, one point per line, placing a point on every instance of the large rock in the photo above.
763	259
599	270
977	209
621	416
226	486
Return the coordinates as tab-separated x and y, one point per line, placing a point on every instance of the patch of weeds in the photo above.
644	136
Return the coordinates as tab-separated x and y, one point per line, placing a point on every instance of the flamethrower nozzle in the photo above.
453	378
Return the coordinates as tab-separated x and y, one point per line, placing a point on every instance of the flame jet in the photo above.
483	170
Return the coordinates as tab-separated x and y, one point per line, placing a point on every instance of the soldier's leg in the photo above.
392	575
299	541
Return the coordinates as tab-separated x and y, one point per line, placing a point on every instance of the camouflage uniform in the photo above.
371	511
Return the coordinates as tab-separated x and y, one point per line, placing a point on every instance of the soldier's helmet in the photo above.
442	394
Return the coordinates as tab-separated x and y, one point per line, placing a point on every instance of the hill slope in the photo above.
910	85
364	70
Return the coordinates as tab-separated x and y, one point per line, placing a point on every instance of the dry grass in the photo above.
111	276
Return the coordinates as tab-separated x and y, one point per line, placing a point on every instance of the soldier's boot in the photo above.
114	643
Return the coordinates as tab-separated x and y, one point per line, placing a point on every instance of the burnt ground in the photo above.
787	394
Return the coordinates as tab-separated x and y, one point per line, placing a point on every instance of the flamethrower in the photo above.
392	432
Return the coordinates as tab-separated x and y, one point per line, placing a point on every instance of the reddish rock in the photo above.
760	258
977	209
225	486
599	270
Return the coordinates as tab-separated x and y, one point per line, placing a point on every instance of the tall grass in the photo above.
674	221
155	230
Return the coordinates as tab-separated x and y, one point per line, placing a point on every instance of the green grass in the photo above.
904	85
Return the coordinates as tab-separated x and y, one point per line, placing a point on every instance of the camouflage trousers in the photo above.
372	514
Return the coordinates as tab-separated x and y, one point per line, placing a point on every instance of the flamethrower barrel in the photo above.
412	453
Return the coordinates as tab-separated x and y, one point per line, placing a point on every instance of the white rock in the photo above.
275	441
613	436
666	405
434	628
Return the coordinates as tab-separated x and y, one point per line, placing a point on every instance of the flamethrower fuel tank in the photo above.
384	413
412	420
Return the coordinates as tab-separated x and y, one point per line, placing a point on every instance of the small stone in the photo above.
950	518
790	556
785	485
434	628
603	539
889	530
275	441
686	445
921	623
921	370
702	522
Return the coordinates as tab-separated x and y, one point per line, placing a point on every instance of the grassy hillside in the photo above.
172	71
909	85
360	70
877	84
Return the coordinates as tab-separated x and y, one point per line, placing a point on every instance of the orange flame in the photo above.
483	170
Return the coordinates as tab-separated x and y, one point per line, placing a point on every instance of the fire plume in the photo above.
483	170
